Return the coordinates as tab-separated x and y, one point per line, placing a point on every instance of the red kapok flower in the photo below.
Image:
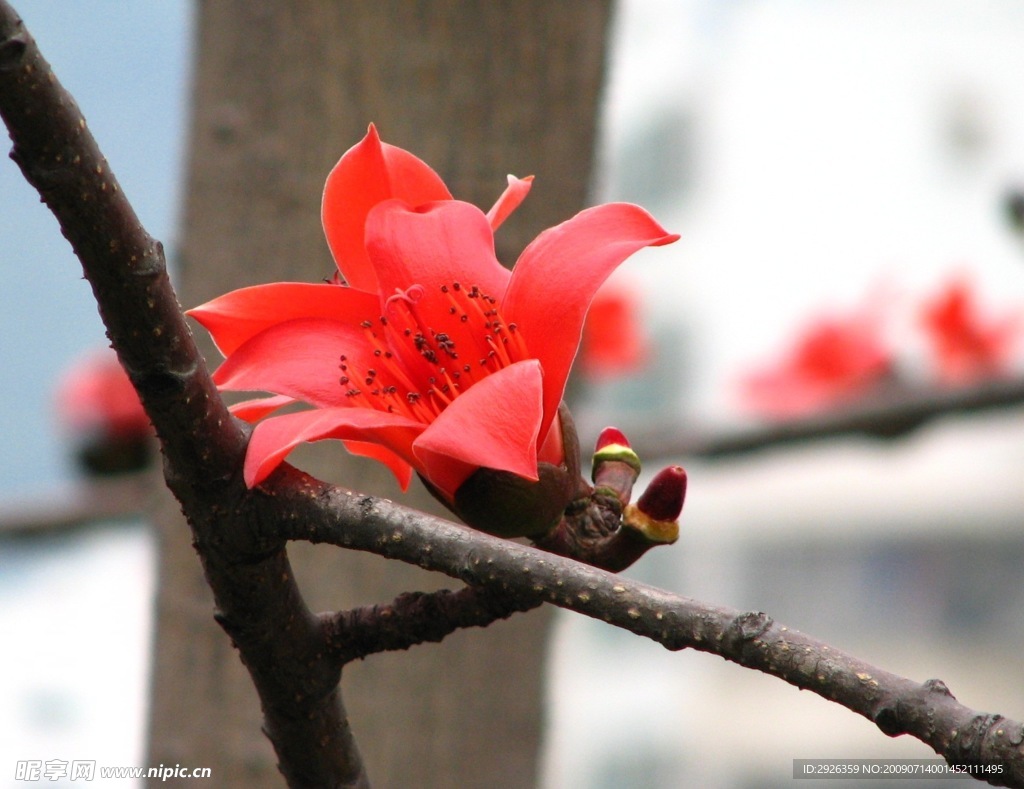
427	355
95	396
613	341
968	345
834	360
99	409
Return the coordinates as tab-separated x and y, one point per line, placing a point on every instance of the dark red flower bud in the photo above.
663	499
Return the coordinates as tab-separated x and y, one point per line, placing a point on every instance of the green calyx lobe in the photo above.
618	453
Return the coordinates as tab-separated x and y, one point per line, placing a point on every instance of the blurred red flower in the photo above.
95	396
614	343
834	360
968	345
99	410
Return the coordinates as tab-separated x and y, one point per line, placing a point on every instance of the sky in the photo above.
126	63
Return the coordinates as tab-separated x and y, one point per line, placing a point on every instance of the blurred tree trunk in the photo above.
282	89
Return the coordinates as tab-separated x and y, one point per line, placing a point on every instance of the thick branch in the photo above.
256	595
927	711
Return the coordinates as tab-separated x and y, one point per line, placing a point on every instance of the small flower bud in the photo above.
663	499
612	446
655	515
615	465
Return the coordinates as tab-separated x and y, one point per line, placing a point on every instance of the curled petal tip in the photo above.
509	200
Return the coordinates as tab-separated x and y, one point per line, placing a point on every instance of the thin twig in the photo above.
416	618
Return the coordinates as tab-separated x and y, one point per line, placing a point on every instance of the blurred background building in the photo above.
818	158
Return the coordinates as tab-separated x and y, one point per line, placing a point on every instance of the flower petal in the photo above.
494	424
368	173
273	438
237	317
510	199
433	245
255	410
398	467
556	278
552	448
299	359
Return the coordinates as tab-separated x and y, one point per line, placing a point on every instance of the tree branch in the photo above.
203	446
926	711
892	413
416	618
114	498
240	535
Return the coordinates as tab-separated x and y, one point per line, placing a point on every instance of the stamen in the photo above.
396	404
450	385
475	298
518	342
499	348
440	395
446	344
417	407
380	351
407	376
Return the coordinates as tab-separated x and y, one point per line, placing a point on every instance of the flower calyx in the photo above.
601	527
508	505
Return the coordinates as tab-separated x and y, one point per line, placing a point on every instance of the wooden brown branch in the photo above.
294	657
417	618
924	710
256	596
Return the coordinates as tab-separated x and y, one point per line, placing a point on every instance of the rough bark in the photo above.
282	89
